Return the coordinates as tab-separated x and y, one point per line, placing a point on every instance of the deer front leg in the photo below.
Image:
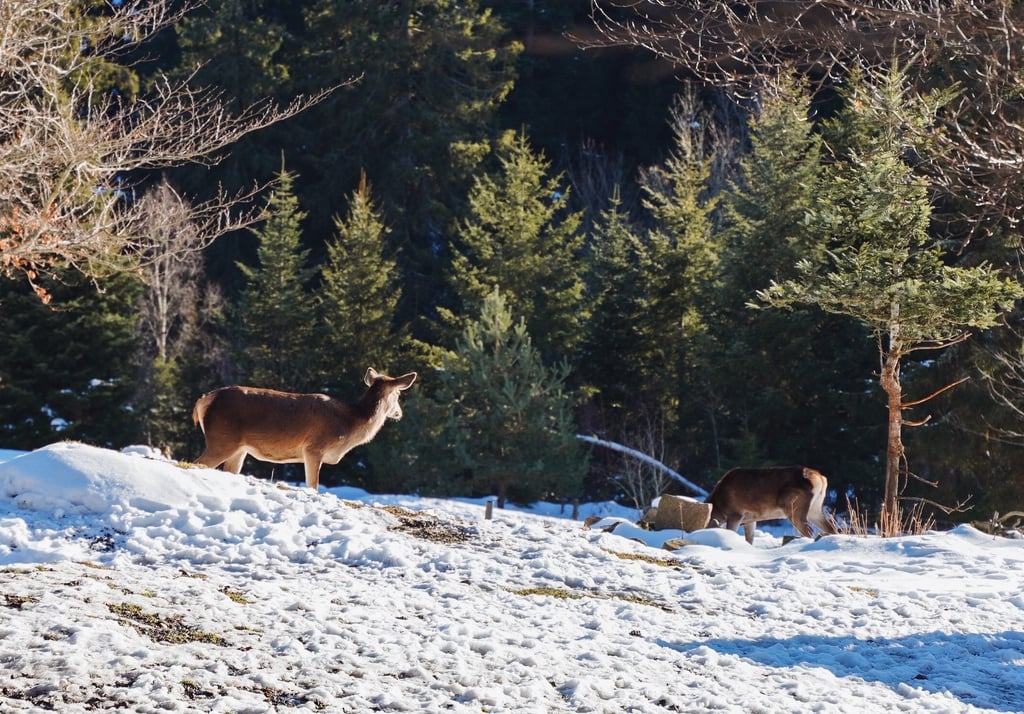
234	462
312	464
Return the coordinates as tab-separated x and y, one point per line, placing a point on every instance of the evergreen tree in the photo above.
803	357
510	424
879	263
614	363
521	237
359	295
678	262
274	318
235	45
423	83
67	371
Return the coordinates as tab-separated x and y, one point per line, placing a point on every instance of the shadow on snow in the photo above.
981	670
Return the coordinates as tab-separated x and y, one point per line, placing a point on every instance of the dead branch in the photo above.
975	44
67	150
918	402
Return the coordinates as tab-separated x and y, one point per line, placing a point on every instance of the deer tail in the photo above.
199	410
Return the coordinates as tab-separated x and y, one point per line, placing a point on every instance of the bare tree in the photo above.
977	44
1004	377
641	481
169	238
68	151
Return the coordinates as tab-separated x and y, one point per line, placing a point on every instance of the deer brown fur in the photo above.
282	427
748	495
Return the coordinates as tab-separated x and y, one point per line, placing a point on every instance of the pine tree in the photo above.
768	361
359	295
274	318
68	371
614	363
522	238
424	80
879	263
510	422
235	45
678	262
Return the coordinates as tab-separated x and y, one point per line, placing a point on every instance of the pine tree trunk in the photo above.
890	380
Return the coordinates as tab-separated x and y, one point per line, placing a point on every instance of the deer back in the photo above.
764	493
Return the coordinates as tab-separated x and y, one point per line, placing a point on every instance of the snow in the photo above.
130	582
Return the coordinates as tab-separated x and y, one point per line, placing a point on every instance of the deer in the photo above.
748	495
285	428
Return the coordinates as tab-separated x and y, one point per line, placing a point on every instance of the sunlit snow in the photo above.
132	583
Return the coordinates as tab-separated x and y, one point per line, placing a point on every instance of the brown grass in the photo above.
905	521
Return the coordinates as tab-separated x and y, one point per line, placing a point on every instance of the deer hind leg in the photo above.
214	457
799	521
748	530
794	504
816	513
822	522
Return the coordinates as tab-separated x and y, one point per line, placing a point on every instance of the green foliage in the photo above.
765	207
235	46
878	262
67	371
359	296
274	318
509	421
424	80
803	370
620	342
679	264
521	236
881	266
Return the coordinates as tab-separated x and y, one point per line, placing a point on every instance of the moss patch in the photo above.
170	629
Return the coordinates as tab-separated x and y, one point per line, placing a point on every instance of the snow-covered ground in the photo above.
129	583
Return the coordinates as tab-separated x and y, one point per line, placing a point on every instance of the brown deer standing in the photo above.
282	427
748	495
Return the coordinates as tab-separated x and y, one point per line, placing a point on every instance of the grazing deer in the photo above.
749	495
281	427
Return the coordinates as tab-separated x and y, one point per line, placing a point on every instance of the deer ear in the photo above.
371	376
406	380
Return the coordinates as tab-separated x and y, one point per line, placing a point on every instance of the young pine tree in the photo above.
274	318
678	264
880	265
359	296
509	420
615	364
521	237
802	357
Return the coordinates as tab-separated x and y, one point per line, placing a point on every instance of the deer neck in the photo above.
373	412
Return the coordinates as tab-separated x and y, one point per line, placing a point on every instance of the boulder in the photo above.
677	513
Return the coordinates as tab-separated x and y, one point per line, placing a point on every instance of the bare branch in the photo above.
975	44
68	151
918	402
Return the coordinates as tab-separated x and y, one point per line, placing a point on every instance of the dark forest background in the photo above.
560	240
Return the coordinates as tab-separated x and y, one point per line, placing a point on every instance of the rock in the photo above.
677	513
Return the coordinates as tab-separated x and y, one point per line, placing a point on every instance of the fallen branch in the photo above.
646	459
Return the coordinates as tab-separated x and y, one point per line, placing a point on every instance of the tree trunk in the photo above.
890	380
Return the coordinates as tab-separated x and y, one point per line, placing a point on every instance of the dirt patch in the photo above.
429	527
170	629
